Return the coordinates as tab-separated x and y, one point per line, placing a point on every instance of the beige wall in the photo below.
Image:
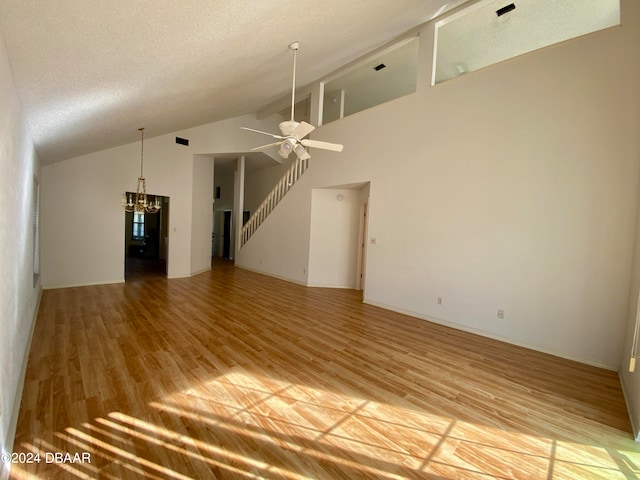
513	187
80	247
631	381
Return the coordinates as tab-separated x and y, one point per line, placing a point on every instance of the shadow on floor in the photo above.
138	269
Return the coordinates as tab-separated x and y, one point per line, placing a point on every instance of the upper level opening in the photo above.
492	31
383	77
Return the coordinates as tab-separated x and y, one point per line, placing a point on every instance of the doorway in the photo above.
146	243
337	244
226	234
222	237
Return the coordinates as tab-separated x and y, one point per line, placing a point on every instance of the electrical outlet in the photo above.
439	300
500	313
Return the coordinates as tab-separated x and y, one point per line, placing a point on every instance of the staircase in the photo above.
287	181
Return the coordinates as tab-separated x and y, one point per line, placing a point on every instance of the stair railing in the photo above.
291	176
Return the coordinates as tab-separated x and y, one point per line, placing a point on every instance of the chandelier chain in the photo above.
141	149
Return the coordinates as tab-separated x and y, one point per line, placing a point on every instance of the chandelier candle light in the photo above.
141	203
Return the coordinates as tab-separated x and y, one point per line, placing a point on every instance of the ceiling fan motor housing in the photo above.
287	127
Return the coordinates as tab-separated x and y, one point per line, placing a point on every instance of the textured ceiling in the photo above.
90	73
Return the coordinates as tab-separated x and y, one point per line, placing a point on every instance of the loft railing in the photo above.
295	171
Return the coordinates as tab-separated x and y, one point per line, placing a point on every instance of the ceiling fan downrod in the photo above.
294	46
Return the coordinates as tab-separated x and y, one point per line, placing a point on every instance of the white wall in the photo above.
631	381
333	249
83	221
259	183
280	247
18	296
225	179
202	219
513	187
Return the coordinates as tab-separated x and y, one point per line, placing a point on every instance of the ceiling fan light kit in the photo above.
293	133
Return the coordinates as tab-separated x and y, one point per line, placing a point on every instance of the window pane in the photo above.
138	225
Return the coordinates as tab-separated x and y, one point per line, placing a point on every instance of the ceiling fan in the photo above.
293	133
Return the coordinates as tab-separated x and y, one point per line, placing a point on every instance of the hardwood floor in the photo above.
139	269
231	374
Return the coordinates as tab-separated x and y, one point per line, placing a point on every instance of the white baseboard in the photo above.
279	277
340	287
91	284
486	334
198	272
111	282
15	412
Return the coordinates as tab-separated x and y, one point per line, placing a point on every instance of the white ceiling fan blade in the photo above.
263	133
301	152
302	130
334	147
265	147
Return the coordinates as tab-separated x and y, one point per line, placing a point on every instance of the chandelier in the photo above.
140	203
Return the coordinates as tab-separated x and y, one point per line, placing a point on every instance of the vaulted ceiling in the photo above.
90	73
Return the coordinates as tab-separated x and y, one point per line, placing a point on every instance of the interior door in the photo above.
226	235
362	246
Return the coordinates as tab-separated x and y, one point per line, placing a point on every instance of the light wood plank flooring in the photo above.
231	374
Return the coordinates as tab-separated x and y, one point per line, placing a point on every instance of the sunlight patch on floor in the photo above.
245	425
374	436
180	443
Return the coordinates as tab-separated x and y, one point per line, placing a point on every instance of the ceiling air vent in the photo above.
507	9
377	68
182	141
